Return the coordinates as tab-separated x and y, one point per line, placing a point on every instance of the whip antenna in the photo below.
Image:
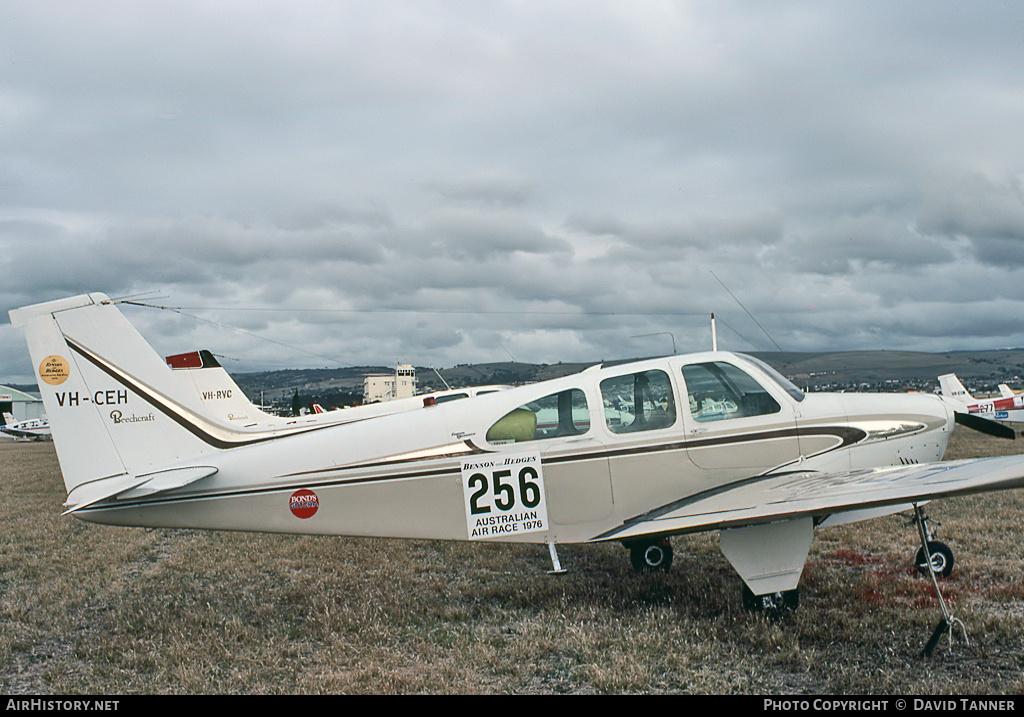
748	313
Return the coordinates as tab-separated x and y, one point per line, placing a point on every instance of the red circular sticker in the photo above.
304	503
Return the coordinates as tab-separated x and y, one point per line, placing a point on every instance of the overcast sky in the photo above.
439	183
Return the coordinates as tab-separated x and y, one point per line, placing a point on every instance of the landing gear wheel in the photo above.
773	605
647	557
941	558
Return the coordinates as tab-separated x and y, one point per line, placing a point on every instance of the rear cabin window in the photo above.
450	397
719	391
638	402
561	414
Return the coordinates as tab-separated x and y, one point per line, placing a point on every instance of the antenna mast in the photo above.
714	334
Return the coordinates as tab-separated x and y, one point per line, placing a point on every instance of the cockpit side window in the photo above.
719	391
638	402
561	414
786	384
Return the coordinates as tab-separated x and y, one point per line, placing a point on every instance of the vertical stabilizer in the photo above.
952	388
218	392
116	410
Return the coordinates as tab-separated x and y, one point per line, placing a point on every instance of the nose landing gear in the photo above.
938	560
939	554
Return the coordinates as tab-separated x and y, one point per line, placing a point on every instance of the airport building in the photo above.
19	404
387	388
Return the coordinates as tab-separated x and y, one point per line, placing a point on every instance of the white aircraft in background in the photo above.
202	374
1006	392
1007	408
34	428
420	400
633	453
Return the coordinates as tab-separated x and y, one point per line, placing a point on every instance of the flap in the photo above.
768	498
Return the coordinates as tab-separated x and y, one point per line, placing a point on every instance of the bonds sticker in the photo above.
304	503
54	370
504	495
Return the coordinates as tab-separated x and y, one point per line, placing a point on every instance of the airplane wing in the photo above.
772	498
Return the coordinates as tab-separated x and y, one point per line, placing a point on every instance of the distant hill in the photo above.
981	371
344	386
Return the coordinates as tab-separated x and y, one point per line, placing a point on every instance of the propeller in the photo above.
984	425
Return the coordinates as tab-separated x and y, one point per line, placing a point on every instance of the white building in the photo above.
19	404
387	388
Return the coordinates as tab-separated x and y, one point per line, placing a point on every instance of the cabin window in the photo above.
450	397
720	391
561	414
638	402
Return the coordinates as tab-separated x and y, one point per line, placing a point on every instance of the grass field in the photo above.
101	610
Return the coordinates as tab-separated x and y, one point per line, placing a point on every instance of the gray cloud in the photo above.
990	213
452	183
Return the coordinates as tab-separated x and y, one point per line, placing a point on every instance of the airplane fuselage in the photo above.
565	461
1010	408
32	428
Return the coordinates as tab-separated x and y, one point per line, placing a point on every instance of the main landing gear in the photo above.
650	555
773	605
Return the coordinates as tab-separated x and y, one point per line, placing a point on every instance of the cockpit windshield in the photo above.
784	382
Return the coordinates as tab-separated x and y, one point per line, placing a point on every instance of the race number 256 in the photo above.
504	495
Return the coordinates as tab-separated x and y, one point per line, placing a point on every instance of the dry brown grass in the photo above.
98	610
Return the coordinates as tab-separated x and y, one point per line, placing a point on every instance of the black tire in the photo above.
773	605
942	559
651	556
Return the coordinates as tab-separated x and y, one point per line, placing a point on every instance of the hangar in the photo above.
19	404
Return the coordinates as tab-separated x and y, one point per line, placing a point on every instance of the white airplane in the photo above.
1007	408
202	372
204	375
419	400
634	453
1007	392
32	428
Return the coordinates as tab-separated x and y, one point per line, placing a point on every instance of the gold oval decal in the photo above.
54	370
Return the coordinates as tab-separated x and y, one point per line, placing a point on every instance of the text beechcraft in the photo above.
634	453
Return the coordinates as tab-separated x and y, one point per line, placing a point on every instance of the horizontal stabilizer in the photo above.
168	480
129	486
86	494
